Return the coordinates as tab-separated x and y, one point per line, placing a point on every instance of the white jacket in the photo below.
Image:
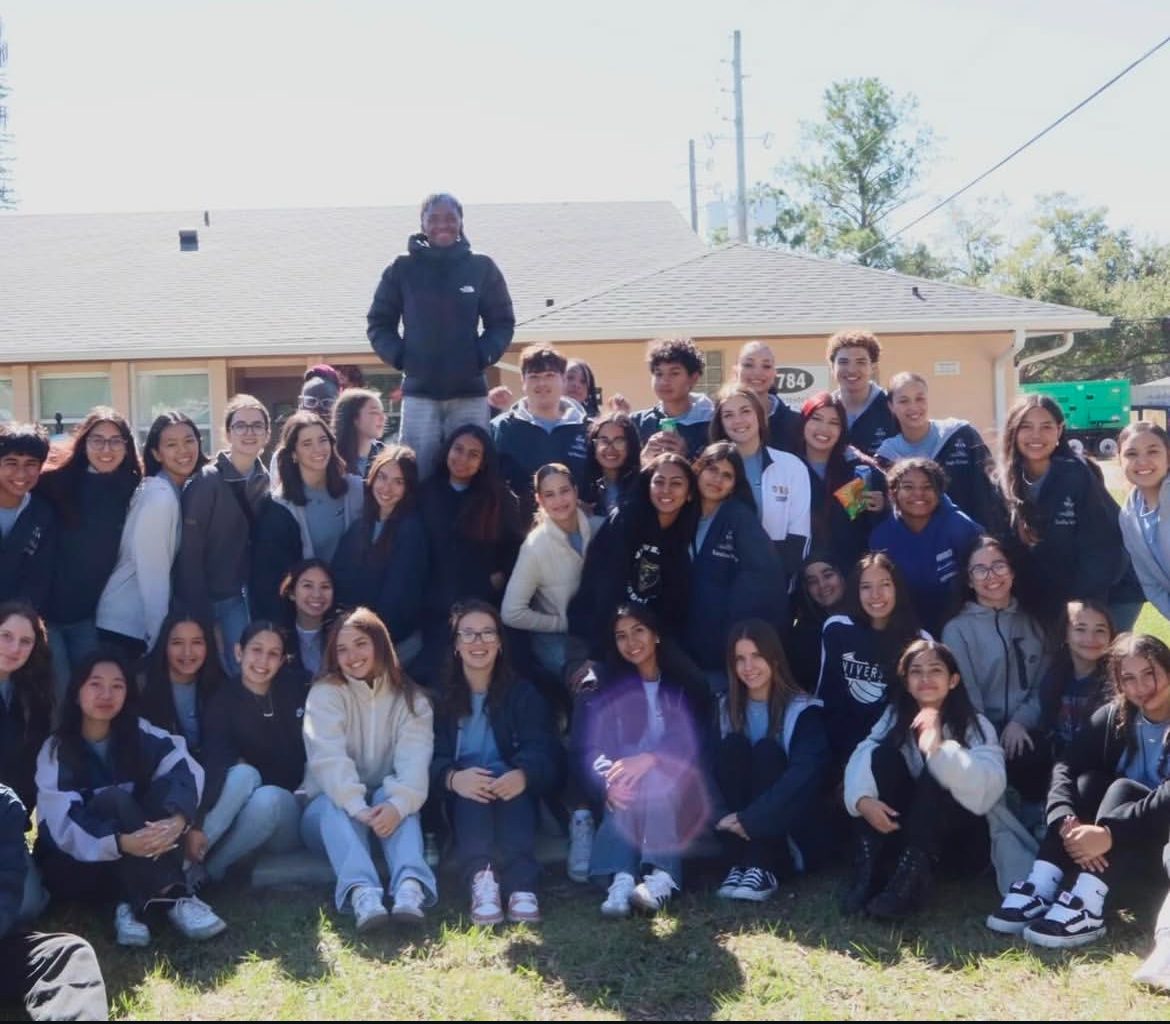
137	595
974	775
786	495
358	738
546	576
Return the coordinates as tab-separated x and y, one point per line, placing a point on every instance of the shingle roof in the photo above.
287	282
279	282
741	289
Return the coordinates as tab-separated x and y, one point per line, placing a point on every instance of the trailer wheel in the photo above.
1107	447
1077	446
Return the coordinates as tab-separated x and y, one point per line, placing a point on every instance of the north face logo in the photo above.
468	289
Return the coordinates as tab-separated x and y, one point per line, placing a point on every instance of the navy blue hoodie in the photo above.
426	314
28	554
1080	552
737	574
854	681
845	539
87	543
874	425
931	560
523	446
694	428
784	426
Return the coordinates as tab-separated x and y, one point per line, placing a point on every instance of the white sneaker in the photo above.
580	846
130	931
523	908
408	902
617	901
485	899
653	891
368	909
1155	972
195	919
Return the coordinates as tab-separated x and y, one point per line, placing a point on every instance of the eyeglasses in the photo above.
313	403
610	442
981	572
487	636
259	427
108	444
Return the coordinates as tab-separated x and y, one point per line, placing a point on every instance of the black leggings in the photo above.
1030	771
135	880
930	819
743	771
1099	797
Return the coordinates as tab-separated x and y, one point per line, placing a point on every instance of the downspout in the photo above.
1001	364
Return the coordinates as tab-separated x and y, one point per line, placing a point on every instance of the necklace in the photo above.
264	700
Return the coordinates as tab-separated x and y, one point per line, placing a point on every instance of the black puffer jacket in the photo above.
426	314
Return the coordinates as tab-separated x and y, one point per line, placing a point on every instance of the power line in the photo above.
1018	150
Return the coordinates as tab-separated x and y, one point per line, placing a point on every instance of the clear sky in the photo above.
166	104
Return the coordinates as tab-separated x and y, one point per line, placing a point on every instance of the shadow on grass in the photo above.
670	967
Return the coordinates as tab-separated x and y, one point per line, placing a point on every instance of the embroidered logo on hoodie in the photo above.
864	679
468	289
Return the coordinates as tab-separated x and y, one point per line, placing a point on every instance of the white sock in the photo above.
1092	892
1045	878
583	814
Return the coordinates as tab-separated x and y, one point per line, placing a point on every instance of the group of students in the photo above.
722	617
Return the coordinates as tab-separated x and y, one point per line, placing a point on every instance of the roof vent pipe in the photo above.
188	241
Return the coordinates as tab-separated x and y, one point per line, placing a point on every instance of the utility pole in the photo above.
740	170
694	187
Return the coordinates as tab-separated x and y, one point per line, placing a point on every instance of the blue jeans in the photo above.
428	422
232	618
69	644
249	816
644	834
550	651
327	828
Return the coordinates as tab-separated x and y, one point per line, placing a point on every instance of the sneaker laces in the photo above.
484	888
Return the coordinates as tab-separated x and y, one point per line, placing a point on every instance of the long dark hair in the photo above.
642	511
1061	671
957	712
484	514
157	676
346	410
61	484
903	627
1009	474
288	588
292	484
838	471
32	683
125	748
1136	645
725	451
407	463
453	687
784	687
629	468
170	418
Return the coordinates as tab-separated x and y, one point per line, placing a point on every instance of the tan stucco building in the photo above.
106	308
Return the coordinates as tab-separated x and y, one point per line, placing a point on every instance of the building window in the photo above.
5	400
187	392
712	379
64	400
388	384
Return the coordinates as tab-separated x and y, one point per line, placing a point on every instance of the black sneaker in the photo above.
757	885
732	882
1020	907
1067	924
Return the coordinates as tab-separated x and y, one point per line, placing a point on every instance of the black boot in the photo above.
867	851
907	887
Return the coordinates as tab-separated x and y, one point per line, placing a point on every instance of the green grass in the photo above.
289	956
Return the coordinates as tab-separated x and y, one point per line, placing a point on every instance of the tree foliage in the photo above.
860	162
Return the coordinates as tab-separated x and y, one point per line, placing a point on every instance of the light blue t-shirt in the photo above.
6	693
655	724
8	516
576	541
547	425
701	532
756	720
477	741
753	467
1143	765
325	518
186	711
820	468
898	447
309	644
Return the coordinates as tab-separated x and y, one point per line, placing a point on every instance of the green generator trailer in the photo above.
1094	411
